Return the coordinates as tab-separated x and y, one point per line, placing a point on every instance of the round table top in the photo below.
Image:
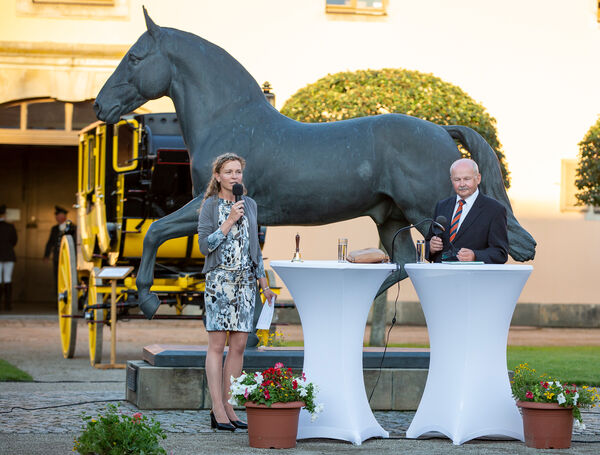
471	267
331	265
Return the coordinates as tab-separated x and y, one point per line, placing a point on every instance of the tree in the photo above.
588	168
348	95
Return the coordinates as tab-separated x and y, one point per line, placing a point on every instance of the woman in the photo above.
228	238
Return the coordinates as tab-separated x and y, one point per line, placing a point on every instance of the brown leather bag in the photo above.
367	256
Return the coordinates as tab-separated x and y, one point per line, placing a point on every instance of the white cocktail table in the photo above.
333	300
468	309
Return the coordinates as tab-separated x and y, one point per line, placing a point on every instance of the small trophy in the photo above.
297	257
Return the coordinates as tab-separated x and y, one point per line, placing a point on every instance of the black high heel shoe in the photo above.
220	426
239	424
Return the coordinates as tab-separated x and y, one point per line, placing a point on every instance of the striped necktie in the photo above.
455	220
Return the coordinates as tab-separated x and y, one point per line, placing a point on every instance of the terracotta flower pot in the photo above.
274	427
547	425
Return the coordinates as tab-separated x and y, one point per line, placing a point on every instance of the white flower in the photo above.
578	425
302	392
558	384
575	399
258	377
560	398
232	401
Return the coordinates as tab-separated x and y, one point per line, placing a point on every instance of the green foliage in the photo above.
348	95
10	372
527	385
588	169
118	434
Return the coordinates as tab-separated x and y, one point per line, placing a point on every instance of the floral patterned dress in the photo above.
231	287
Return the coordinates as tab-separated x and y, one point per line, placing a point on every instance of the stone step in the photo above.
173	376
165	355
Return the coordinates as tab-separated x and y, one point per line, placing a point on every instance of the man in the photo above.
8	240
63	226
478	228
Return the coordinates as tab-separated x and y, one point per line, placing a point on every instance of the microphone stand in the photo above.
406	228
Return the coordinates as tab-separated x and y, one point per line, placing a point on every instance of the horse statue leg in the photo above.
181	223
404	249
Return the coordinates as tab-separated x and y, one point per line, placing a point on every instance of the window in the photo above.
83	114
48	115
372	7
10	116
78	2
568	174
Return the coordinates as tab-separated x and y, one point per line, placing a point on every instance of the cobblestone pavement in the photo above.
67	419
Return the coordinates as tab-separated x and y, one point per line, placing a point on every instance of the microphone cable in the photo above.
387	340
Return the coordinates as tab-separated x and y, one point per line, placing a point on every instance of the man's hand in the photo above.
435	244
465	255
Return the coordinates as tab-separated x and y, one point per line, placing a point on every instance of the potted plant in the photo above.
549	407
115	433
273	399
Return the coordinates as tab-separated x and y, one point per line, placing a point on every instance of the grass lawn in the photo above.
574	364
9	372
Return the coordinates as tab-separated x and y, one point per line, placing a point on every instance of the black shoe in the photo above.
220	426
239	424
149	304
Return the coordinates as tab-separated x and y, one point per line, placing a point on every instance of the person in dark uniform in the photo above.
62	227
8	240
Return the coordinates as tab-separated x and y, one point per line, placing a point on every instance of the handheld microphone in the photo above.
439	225
238	190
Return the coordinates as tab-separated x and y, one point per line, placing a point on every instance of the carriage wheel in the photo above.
67	295
95	329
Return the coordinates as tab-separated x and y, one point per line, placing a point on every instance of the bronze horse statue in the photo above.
392	167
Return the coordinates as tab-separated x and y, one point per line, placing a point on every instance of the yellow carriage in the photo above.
130	174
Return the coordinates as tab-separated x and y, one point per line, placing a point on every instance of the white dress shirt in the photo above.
466	207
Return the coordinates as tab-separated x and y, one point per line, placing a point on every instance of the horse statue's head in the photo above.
143	74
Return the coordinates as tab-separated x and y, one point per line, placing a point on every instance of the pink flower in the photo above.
278	365
246	393
137	416
529	395
267	395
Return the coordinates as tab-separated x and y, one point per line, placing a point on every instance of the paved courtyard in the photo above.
44	416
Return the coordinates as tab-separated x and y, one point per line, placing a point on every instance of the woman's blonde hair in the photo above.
214	186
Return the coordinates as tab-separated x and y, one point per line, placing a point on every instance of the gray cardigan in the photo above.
208	222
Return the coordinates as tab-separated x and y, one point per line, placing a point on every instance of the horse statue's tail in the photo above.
521	243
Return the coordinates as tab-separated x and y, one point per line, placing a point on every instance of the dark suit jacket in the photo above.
8	240
484	230
53	243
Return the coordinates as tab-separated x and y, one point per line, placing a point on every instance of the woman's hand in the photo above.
237	211
270	296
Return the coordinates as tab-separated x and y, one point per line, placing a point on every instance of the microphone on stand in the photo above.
238	191
437	224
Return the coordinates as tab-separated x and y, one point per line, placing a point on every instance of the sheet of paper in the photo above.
266	315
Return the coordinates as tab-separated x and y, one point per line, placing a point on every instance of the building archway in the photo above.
38	152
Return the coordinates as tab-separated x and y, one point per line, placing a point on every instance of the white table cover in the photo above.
468	309
333	300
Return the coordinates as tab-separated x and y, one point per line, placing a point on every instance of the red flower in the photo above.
137	416
267	395
294	384
544	384
529	395
567	391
